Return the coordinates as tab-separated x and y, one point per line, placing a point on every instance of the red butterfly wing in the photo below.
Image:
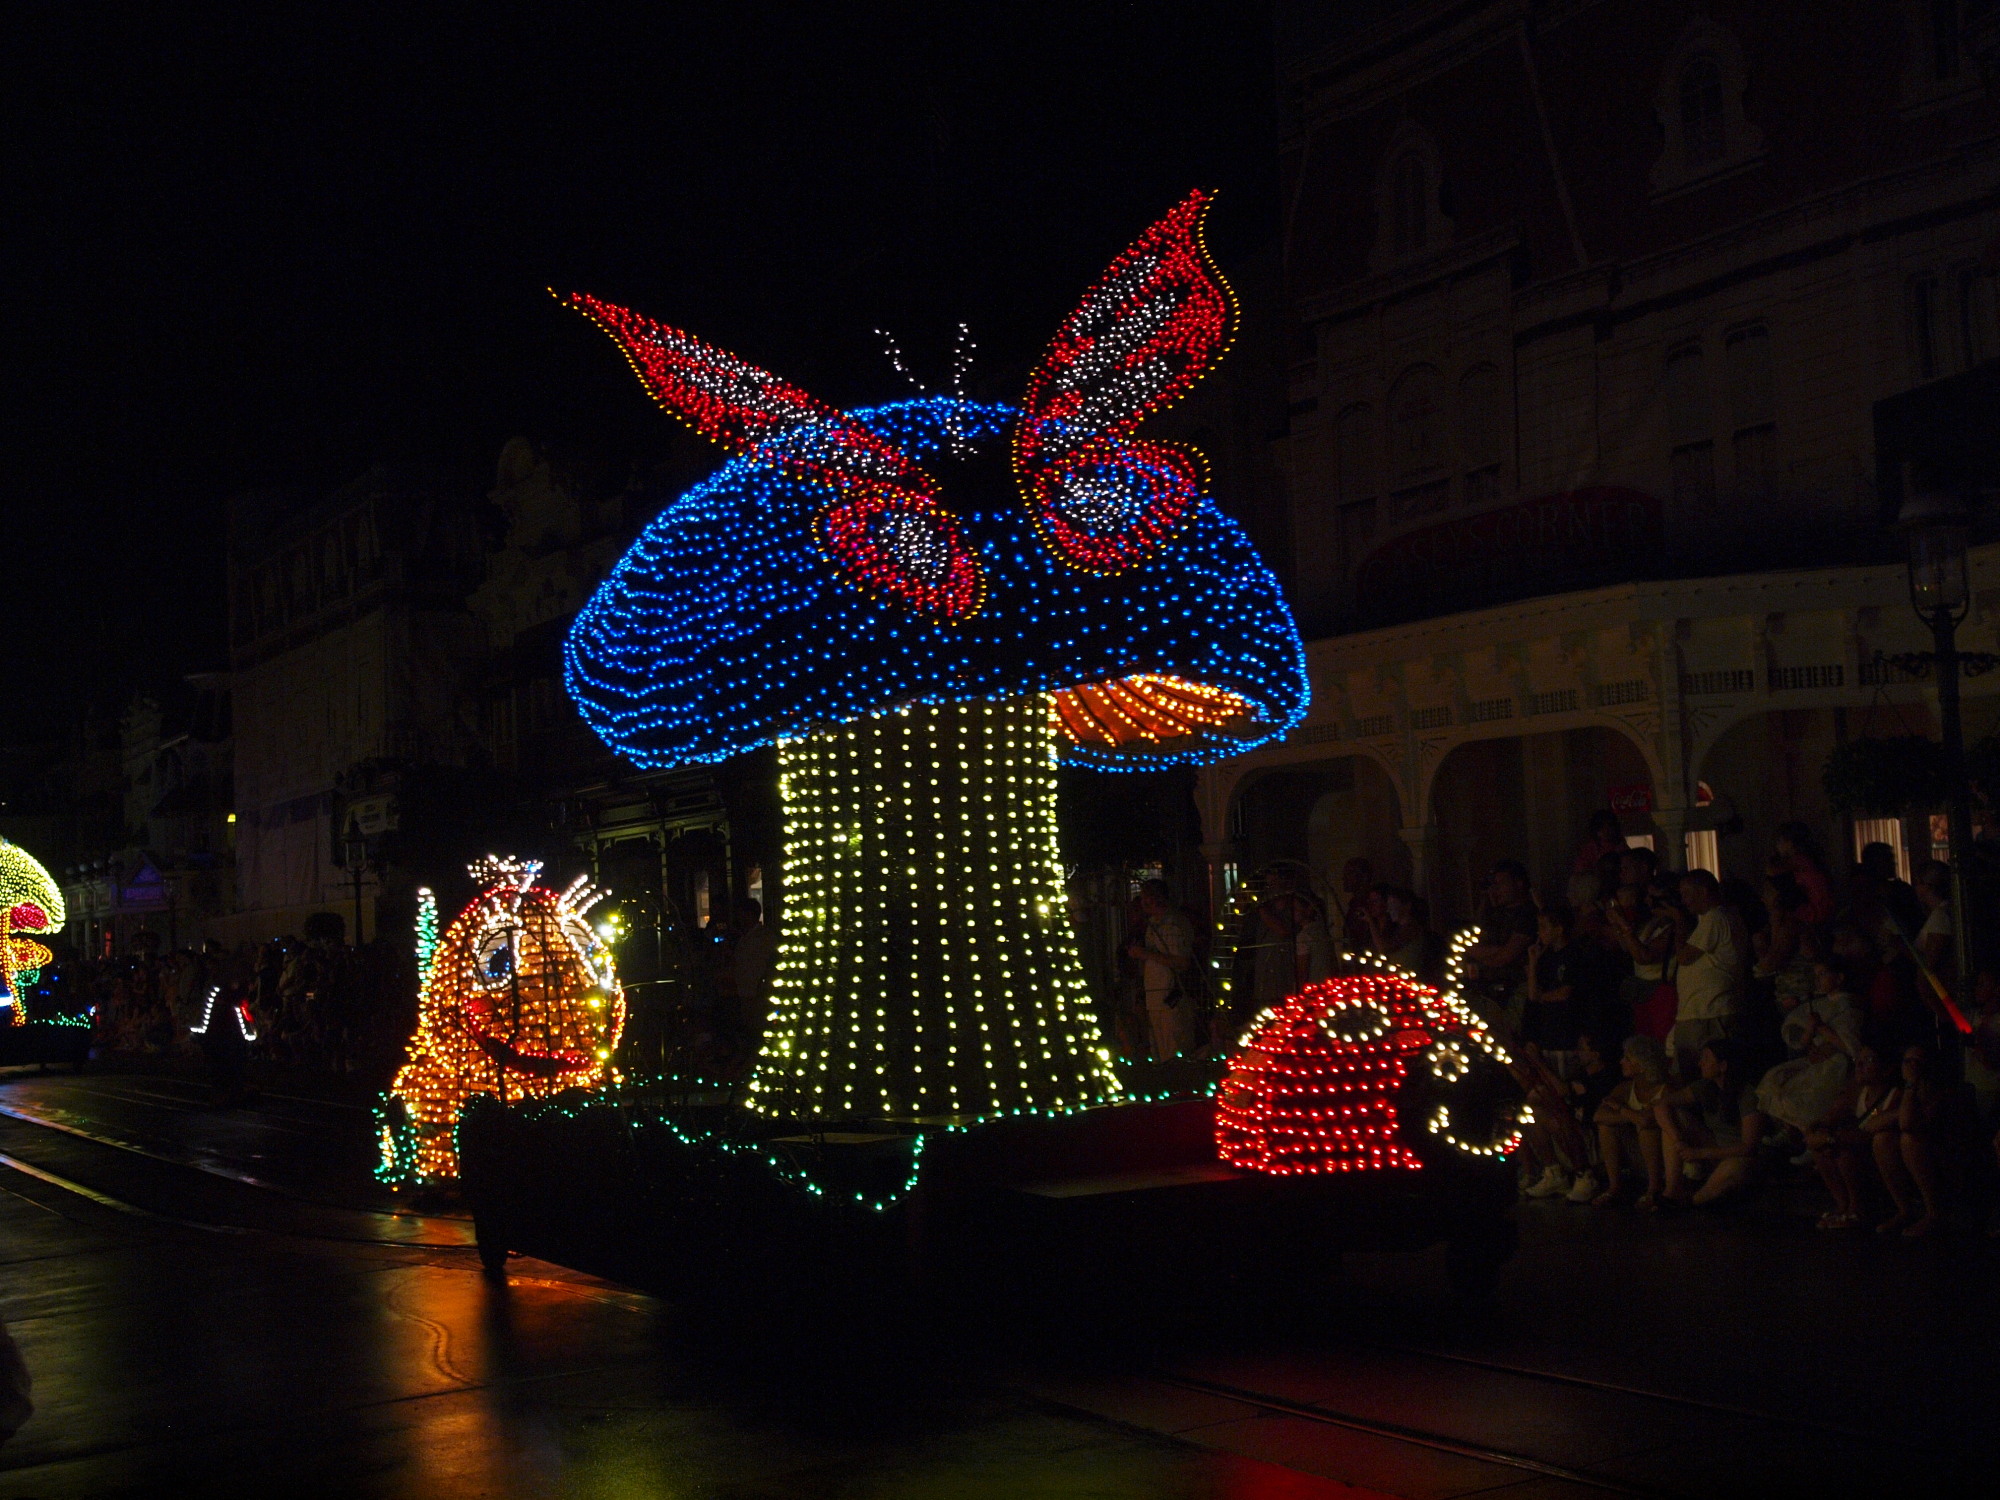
1151	327
886	529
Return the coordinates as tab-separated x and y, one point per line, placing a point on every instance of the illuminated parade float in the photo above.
927	607
518	1000
30	902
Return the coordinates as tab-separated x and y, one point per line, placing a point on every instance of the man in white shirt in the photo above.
1165	952
1710	979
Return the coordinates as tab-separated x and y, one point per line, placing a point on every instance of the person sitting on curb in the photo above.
1629	1107
1714	1122
1839	1144
1589	1086
1906	1152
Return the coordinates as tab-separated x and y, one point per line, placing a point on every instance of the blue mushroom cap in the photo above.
726	626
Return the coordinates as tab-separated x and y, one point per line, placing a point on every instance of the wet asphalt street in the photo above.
219	1303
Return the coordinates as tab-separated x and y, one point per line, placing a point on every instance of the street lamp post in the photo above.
1938	526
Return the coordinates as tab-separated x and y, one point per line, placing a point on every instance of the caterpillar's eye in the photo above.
493	958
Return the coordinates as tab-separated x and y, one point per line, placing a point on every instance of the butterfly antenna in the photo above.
895	353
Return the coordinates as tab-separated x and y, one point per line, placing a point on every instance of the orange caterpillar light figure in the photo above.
520	999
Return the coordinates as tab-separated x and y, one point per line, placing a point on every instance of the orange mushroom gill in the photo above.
1147	708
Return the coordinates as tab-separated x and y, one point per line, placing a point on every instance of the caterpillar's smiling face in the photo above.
535	985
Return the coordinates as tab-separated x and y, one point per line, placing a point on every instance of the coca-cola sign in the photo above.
1576	539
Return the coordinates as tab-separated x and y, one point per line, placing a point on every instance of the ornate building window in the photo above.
1976	314
1690	430
1700	109
1409	199
1417	445
1952	321
1703	138
1936	70
1416	423
1354	453
1752	411
1411	204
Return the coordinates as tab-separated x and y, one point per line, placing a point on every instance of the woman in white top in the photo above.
1823	1033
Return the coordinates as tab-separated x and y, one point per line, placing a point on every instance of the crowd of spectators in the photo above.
314	1001
1682	1038
1685	1038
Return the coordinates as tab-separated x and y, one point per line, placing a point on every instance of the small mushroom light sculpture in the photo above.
30	902
519	999
927	605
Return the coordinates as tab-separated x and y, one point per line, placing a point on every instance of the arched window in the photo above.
1410	195
1416	421
1942	54
1753	440
1410	217
1699	104
1356	478
1976	307
1704	128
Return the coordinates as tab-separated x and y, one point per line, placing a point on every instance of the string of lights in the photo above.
927	967
246	1026
788	1168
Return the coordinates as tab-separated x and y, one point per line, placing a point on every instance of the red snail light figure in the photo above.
519	999
1366	1072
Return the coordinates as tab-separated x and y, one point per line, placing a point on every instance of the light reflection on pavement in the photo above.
303	1355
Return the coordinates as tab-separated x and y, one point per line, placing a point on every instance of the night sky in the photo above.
269	246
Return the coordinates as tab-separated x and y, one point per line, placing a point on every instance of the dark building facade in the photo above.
1614	324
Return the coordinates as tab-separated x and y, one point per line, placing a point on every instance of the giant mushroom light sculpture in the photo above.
922	668
30	901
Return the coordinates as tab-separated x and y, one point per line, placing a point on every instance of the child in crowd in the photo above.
1556	971
1627	1114
1906	1153
1713	1127
1591	1081
1838	1144
1821	1033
